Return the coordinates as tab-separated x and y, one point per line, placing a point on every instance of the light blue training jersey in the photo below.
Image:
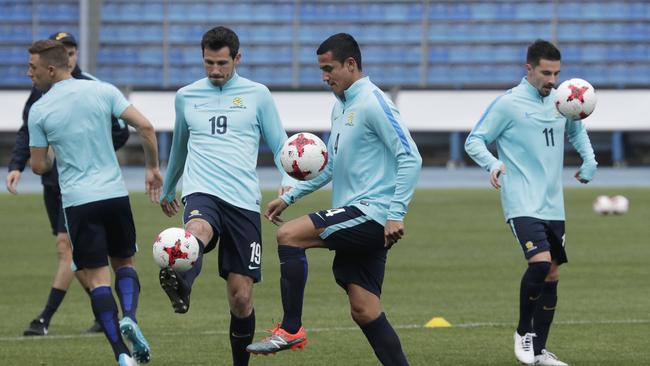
529	134
373	162
74	117
216	140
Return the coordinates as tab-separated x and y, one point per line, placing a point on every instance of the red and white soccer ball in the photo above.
620	205
304	156
603	205
575	99
175	248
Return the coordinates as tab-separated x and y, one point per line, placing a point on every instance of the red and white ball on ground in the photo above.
575	99
620	205
304	156
603	205
175	248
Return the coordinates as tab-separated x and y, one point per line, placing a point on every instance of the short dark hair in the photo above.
52	52
220	37
343	46
541	49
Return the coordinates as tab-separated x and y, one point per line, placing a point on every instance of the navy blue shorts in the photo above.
359	244
99	230
238	231
54	208
536	236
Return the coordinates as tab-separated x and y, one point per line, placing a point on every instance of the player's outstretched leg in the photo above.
176	289
178	286
139	345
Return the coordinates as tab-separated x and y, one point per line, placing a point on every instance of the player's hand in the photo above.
12	181
274	209
393	231
495	174
283	189
580	179
153	184
169	208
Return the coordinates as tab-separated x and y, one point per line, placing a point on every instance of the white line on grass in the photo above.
339	329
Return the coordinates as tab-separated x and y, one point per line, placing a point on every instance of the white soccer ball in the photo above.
304	156
603	205
575	99
175	248
620	205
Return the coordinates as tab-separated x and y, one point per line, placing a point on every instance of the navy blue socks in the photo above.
53	301
242	331
530	292
293	272
105	310
127	287
384	342
544	315
193	272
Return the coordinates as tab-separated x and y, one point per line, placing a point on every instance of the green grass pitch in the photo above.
458	261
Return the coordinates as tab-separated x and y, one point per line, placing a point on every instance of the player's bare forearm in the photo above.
41	160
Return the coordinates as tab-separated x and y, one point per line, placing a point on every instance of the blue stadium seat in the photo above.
438	11
310	76
130	11
506	11
438	54
150	56
534	11
110	11
483	11
458	11
153	11
15	12
595	52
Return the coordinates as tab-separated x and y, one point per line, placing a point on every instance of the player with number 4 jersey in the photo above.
373	166
219	122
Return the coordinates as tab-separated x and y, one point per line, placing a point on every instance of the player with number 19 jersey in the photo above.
529	134
216	140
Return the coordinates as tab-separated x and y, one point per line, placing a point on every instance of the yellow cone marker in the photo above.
437	322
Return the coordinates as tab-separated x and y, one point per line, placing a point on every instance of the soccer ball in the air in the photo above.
304	156
603	205
620	204
575	99
175	248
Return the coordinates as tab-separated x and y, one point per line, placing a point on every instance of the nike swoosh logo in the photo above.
545	308
528	114
253	267
534	299
235	335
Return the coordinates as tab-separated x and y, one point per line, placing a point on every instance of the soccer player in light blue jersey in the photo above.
529	134
219	122
373	166
74	119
